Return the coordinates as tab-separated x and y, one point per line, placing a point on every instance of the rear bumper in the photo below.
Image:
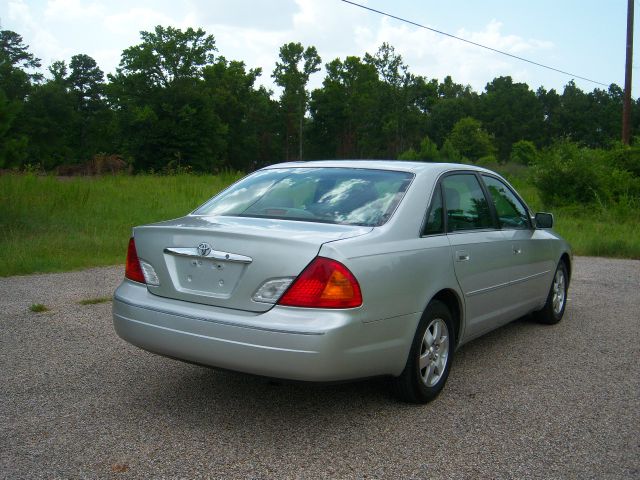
291	343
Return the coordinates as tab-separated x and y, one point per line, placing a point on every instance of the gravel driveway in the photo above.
526	401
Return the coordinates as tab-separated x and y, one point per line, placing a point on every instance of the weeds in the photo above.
38	308
95	301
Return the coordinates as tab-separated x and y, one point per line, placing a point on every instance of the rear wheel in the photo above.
430	357
553	310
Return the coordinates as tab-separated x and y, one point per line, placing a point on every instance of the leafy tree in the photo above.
16	62
171	104
87	81
426	94
59	71
551	116
574	117
524	152
510	112
454	101
248	113
605	114
292	73
165	113
398	92
86	84
448	89
13	145
344	124
470	139
168	54
51	126
16	80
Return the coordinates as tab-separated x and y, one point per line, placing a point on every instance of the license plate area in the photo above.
204	276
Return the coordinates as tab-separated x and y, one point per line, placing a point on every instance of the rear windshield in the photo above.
347	196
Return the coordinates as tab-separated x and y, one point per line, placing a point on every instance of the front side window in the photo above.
467	207
511	212
346	196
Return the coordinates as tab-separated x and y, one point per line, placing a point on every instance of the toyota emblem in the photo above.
204	249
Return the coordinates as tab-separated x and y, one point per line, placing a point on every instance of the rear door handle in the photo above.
517	250
462	256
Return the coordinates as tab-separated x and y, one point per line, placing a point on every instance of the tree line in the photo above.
175	103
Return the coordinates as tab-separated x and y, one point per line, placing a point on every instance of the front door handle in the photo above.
517	250
462	256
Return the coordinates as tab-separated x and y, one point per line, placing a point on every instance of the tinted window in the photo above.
467	207
434	223
330	195
511	211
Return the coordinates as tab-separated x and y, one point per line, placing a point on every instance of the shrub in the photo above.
449	153
625	158
524	152
428	152
489	161
566	173
410	155
470	139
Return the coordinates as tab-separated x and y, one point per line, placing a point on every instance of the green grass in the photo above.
51	225
38	308
95	301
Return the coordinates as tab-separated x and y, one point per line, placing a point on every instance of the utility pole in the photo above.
626	107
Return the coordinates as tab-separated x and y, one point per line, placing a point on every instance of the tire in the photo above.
429	361
553	309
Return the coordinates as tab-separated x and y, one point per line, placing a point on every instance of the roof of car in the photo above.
398	165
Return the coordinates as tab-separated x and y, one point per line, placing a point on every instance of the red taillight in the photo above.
325	283
132	270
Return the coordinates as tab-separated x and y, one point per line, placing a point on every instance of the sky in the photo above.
584	37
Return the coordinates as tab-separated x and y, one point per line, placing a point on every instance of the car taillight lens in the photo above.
325	283
132	270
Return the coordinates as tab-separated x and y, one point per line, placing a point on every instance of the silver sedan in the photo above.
337	270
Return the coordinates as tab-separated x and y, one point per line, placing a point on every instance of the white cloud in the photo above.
42	42
71	10
20	12
62	28
133	20
435	56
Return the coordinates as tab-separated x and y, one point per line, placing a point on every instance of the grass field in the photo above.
49	224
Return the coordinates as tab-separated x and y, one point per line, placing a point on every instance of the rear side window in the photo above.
435	224
466	204
348	196
511	212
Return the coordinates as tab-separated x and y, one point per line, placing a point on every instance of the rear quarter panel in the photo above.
398	270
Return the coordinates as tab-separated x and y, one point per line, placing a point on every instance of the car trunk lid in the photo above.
222	261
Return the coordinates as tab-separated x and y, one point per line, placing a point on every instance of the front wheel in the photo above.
430	357
553	309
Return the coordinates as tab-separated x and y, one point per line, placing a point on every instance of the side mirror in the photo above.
544	220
